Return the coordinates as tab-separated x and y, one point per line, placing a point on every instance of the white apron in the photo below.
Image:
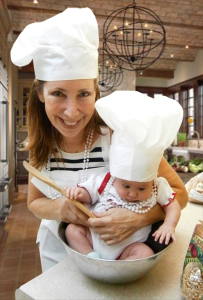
51	248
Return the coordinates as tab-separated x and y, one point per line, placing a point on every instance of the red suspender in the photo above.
104	183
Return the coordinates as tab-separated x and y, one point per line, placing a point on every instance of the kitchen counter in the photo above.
188	149
188	153
185	177
65	282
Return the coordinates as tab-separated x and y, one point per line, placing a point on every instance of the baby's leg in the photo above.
135	251
79	238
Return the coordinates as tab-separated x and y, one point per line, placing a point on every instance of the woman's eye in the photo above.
141	189
57	94
84	94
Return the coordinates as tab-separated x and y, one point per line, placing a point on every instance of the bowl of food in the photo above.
111	271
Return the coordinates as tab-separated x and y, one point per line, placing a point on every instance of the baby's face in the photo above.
132	191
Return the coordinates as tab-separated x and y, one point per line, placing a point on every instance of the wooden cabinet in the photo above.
21	110
22	173
24	88
5	180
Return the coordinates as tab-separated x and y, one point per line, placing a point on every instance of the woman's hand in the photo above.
115	225
59	209
69	213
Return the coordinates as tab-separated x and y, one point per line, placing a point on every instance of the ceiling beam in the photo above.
146	73
156	73
172	59
52	11
33	9
172	45
150	56
183	46
17	32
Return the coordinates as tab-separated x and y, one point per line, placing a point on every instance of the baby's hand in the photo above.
165	231
74	193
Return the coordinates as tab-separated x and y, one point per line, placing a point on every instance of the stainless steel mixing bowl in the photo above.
111	271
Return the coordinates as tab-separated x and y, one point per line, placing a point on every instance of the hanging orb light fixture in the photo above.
110	73
135	35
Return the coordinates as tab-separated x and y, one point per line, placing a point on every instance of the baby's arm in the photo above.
78	193
87	191
167	229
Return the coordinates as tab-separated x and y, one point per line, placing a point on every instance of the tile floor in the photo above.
19	256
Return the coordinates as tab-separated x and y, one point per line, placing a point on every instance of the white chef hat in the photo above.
64	47
143	128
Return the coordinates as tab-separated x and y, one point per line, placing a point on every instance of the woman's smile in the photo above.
70	125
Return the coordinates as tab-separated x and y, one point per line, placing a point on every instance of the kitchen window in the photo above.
191	112
188	110
200	109
176	96
184	96
157	96
190	96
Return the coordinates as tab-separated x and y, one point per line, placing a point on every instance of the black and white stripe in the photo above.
75	163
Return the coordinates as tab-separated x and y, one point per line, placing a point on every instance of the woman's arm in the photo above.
166	171
59	209
116	225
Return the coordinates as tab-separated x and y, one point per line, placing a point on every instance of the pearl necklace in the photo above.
137	207
87	154
52	193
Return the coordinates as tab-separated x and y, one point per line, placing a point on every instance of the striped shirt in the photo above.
69	171
74	161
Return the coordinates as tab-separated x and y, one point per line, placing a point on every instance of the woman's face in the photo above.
69	105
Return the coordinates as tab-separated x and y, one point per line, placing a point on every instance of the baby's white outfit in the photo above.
95	185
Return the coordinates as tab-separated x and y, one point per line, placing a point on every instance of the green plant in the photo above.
182	136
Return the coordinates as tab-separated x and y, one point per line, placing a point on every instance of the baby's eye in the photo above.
126	186
141	189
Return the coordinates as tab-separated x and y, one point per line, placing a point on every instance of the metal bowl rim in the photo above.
118	261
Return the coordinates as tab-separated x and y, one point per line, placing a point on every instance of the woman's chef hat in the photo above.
63	47
143	128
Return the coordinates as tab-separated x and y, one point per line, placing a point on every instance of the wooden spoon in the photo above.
51	183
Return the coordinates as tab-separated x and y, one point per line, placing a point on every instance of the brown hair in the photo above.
42	135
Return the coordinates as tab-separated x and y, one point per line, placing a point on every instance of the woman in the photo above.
66	139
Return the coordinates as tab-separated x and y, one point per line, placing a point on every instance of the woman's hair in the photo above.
42	135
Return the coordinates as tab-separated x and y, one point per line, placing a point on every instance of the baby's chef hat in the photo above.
143	128
63	47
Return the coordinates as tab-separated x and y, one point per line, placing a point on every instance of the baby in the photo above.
132	182
135	196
